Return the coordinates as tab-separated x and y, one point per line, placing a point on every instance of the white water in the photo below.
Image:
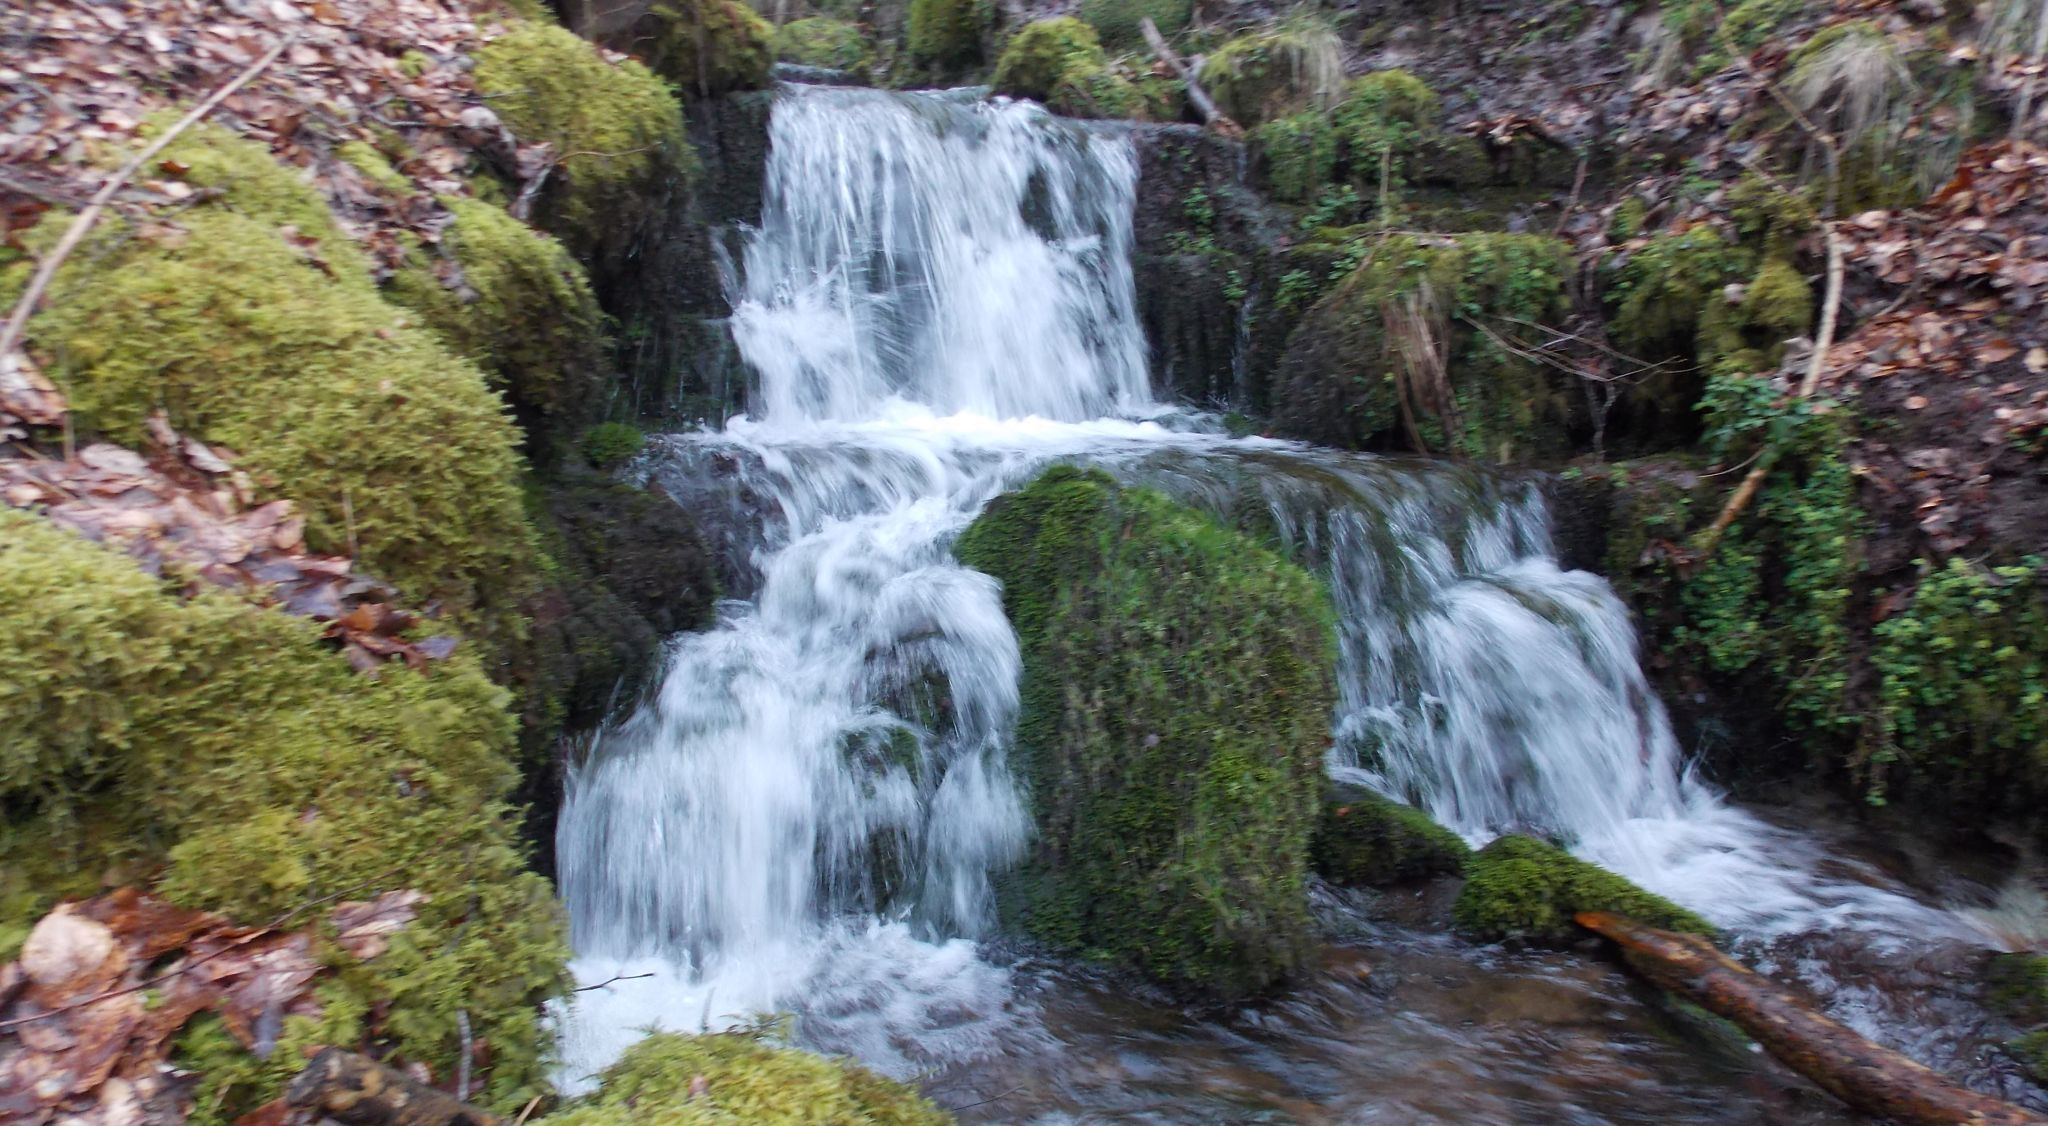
939	303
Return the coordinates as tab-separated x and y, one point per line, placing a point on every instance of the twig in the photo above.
2026	110
468	1045
17	321
1571	205
1214	117
530	1104
986	1101
609	980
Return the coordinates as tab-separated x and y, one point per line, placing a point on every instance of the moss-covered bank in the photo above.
1176	699
735	1077
1519	887
1060	62
223	754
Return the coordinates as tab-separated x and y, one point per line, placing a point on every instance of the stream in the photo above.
804	818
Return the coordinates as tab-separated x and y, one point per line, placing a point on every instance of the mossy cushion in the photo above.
1178	682
734	1078
1520	887
1366	840
1060	63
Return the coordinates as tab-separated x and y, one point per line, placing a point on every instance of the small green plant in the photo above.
609	443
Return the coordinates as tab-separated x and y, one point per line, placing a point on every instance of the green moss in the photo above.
257	184
2017	985
1059	62
512	300
1752	23
1275	71
1176	697
824	42
616	129
283	352
1386	119
1520	887
609	443
734	1078
1344	381
1298	154
948	33
227	750
708	47
364	158
1118	21
1777	302
1364	839
1669	293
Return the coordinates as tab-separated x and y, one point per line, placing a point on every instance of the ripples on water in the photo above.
939	303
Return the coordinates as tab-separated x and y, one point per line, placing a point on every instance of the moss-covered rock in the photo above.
1176	699
1366	840
1274	71
707	47
735	1077
1296	155
225	752
1119	22
512	299
254	325
1344	380
1519	887
1060	63
947	35
616	129
822	41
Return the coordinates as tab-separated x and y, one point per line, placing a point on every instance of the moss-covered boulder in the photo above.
706	47
1176	703
615	128
225	754
1060	63
736	1077
822	41
1379	133
1346	378
946	35
512	300
1119	22
253	324
1366	840
1274	71
1519	887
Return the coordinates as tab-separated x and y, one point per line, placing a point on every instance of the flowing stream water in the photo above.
939	303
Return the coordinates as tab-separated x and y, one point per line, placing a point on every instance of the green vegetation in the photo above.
1176	698
1278	70
616	130
1117	21
949	33
824	42
1519	887
1367	840
709	47
1348	381
609	443
1059	63
2018	986
1299	155
1380	133
226	749
276	345
512	300
735	1077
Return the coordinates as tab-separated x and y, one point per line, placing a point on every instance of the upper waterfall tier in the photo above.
961	256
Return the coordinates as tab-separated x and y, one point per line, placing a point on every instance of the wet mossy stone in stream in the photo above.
253	323
1059	62
226	756
616	130
1521	888
512	300
736	1077
1177	687
1366	840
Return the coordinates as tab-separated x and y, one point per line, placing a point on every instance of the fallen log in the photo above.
1867	1076
1205	105
358	1091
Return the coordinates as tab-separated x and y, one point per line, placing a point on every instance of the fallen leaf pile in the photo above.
186	512
1954	353
89	1012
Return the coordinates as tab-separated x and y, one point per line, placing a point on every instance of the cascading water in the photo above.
938	303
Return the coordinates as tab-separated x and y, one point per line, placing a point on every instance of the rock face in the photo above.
1177	688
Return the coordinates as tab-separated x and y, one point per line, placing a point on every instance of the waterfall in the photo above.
938	303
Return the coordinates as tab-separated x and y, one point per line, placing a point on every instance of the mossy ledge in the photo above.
1059	62
1177	689
221	753
735	1077
1522	888
1366	840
